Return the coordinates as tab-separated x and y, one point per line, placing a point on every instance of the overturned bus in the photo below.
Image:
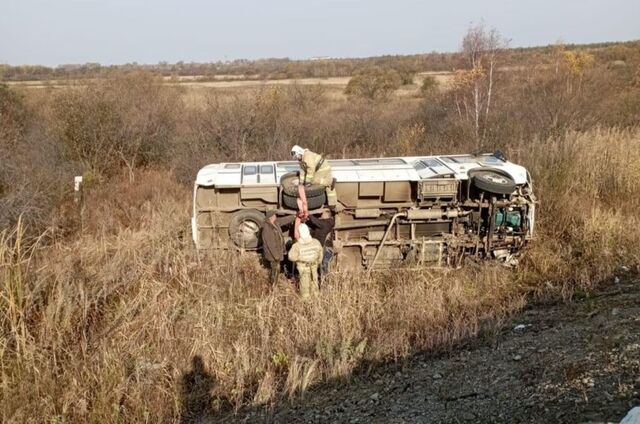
433	210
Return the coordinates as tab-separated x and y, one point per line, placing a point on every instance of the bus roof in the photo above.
407	168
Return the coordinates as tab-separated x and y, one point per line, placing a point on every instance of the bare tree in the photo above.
480	48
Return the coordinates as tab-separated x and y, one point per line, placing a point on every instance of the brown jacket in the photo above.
273	239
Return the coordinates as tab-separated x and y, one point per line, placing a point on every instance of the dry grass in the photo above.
103	327
195	91
587	222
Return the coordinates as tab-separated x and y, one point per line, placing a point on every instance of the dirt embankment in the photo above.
565	363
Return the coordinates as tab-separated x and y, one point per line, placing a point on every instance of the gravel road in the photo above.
563	363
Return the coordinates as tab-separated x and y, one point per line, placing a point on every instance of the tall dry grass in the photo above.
104	327
588	225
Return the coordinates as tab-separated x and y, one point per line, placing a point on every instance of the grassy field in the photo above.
106	310
196	88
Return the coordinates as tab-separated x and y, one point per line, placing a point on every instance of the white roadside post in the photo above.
77	189
78	198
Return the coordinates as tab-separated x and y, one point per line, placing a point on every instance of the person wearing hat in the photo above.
314	169
306	253
273	243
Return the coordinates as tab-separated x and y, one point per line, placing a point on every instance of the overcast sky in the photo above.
52	32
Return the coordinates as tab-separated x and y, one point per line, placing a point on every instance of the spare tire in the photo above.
493	182
312	202
291	181
244	228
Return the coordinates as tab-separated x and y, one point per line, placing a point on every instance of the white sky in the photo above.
54	32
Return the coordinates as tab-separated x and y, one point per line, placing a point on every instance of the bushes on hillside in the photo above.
12	121
263	124
128	120
374	83
429	85
13	116
30	165
536	102
406	72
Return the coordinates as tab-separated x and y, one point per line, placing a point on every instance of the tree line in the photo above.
285	68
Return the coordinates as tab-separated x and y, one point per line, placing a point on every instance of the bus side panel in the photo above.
212	225
259	197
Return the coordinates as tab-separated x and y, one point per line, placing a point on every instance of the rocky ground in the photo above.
565	363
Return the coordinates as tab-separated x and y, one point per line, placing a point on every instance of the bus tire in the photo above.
290	182
493	182
245	227
315	202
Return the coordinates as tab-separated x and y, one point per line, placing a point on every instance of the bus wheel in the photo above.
493	182
312	202
244	229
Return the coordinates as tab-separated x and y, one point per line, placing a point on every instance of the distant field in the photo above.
197	88
232	83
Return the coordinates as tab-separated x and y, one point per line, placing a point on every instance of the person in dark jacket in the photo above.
273	242
322	230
